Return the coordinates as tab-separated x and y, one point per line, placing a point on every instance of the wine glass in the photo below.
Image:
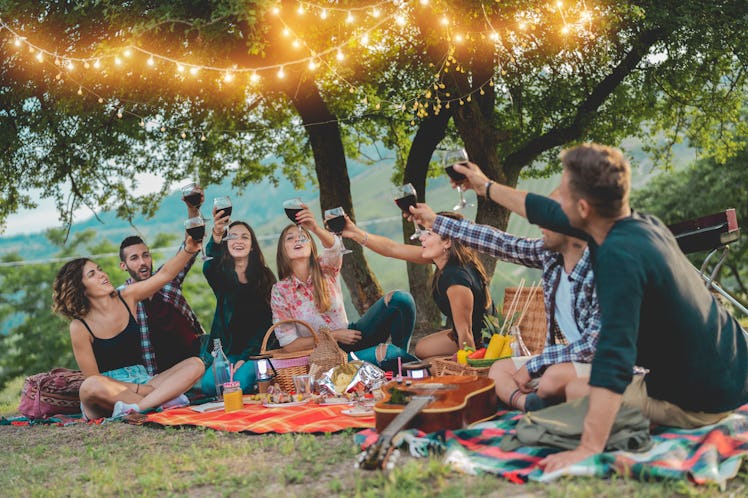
195	228
292	207
452	157
191	195
335	223
405	197
223	204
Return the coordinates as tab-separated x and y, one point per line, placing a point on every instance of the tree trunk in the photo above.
334	185
430	132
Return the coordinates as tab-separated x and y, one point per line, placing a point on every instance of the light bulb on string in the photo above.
228	77
80	90
17	42
365	39
565	30
286	32
119	114
400	20
340	56
40	56
375	13
86	65
275	10
70	66
150	61
57	61
312	65
97	64
202	137
194	70
163	129
300	10
349	18
254	77
281	73
127	52
183	135
180	68
101	100
142	123
323	14
296	43
444	21
117	61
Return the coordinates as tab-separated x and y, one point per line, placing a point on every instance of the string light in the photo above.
398	16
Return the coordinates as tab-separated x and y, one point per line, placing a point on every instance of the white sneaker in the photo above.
121	409
180	400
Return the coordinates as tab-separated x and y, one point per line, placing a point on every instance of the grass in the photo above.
118	459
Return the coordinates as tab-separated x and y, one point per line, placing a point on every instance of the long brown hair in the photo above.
461	255
321	295
257	271
68	292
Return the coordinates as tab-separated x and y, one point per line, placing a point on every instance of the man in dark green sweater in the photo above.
655	310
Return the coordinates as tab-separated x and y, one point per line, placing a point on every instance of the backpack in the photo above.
51	393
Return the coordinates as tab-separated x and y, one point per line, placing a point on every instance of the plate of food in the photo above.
286	404
359	411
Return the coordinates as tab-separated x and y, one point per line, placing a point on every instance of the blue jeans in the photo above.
246	375
394	320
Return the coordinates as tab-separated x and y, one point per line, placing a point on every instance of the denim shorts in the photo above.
134	374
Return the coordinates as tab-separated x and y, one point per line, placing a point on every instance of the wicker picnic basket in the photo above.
445	366
533	326
288	364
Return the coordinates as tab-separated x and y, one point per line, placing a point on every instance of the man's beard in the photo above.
139	277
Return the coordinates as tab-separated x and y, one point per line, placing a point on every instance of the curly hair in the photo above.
69	294
461	255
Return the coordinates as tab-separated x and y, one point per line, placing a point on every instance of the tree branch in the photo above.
586	111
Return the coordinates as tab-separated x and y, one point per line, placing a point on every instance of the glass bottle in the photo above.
221	368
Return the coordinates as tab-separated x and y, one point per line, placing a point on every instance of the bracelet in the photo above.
488	189
137	388
366	238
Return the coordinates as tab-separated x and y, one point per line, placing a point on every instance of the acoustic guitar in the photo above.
448	402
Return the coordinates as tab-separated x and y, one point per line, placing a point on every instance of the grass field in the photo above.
118	459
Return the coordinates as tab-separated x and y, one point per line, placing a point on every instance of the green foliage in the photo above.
705	187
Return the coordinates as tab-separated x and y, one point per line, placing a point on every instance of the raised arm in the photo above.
144	289
510	198
305	218
383	245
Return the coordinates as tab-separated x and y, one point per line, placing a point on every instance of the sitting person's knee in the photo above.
502	368
92	388
399	299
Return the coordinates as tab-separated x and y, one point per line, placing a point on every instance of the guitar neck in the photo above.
413	408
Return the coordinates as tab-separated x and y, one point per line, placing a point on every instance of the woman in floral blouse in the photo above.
309	289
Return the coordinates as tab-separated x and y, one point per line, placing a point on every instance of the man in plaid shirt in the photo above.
572	312
169	329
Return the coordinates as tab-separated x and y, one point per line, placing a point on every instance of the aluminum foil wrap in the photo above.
354	377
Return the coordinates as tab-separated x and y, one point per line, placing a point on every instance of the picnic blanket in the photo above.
711	454
259	419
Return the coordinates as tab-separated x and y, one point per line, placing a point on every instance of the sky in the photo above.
46	216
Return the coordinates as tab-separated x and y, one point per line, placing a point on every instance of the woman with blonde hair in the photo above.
459	286
106	339
309	289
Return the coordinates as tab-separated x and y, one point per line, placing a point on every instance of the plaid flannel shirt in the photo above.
170	293
533	254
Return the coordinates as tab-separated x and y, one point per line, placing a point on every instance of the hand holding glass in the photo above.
335	223
191	195
452	157
223	204
195	228
405	197
292	208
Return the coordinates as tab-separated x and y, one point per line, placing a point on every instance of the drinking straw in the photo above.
399	367
232	368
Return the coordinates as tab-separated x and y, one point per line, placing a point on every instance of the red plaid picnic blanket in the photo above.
260	419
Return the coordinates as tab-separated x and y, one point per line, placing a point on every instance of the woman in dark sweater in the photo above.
241	282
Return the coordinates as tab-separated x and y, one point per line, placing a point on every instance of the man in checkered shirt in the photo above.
572	312
169	329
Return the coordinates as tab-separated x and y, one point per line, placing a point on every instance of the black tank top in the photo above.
122	350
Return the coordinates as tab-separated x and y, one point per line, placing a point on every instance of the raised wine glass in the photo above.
292	207
405	197
452	157
223	204
191	195
195	228
335	223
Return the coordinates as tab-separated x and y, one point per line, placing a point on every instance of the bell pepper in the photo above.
478	354
462	354
494	346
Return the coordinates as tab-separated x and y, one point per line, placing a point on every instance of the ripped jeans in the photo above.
393	320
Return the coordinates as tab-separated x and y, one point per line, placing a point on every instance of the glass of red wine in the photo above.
223	204
452	157
292	208
405	197
191	195
335	223
195	228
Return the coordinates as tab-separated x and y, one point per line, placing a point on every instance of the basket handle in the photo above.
263	348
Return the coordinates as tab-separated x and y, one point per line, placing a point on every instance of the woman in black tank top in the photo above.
459	286
106	337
